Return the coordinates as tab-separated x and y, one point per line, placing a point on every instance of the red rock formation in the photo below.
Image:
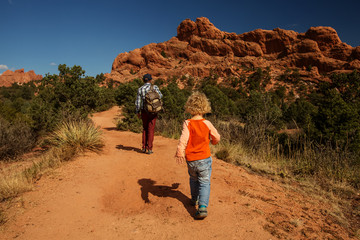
19	76
200	49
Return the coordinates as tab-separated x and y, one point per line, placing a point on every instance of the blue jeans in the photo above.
200	172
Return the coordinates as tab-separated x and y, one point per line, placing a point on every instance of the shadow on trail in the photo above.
111	129
128	148
148	186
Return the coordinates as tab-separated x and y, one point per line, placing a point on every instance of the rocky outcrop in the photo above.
19	76
200	49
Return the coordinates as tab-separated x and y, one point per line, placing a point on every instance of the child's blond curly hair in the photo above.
197	103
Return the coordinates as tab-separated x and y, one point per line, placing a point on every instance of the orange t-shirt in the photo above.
195	139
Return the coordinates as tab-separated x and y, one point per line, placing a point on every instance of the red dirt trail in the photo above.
124	194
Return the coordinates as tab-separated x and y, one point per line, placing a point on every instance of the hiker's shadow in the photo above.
128	148
111	129
148	186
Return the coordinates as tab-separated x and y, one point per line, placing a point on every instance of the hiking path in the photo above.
122	193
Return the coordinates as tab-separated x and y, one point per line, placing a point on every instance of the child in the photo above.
194	146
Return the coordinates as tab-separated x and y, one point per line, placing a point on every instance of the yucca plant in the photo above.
78	135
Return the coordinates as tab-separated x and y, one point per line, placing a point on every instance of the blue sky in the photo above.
40	34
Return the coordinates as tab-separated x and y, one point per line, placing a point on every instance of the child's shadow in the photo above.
148	186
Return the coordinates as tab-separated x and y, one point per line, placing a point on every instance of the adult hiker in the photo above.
147	113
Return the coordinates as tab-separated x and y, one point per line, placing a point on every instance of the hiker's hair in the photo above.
197	103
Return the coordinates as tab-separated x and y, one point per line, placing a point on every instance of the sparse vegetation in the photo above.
70	139
164	54
31	111
291	131
323	138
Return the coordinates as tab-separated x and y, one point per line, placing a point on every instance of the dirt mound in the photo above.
124	194
201	49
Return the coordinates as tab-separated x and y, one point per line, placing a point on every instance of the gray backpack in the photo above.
152	102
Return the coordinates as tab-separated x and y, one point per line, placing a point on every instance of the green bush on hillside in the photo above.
125	96
221	105
174	100
37	107
15	139
258	80
72	92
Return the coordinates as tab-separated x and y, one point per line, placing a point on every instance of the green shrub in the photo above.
15	139
164	54
337	122
125	96
70	90
127	92
25	91
130	122
174	100
291	76
258	80
301	113
221	105
44	115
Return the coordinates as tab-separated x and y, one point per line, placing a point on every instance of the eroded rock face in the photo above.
326	37
20	76
200	49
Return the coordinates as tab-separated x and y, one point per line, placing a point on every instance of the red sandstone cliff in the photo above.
9	77
200	48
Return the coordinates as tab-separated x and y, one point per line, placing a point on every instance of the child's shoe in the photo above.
201	213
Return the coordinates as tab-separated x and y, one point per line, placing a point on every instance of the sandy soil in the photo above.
124	194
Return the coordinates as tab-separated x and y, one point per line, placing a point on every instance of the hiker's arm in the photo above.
184	138
138	102
214	134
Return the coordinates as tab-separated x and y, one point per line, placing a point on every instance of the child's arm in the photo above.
214	135
184	138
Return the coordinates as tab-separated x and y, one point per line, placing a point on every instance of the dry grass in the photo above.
69	140
13	183
237	154
3	218
328	169
321	186
170	128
